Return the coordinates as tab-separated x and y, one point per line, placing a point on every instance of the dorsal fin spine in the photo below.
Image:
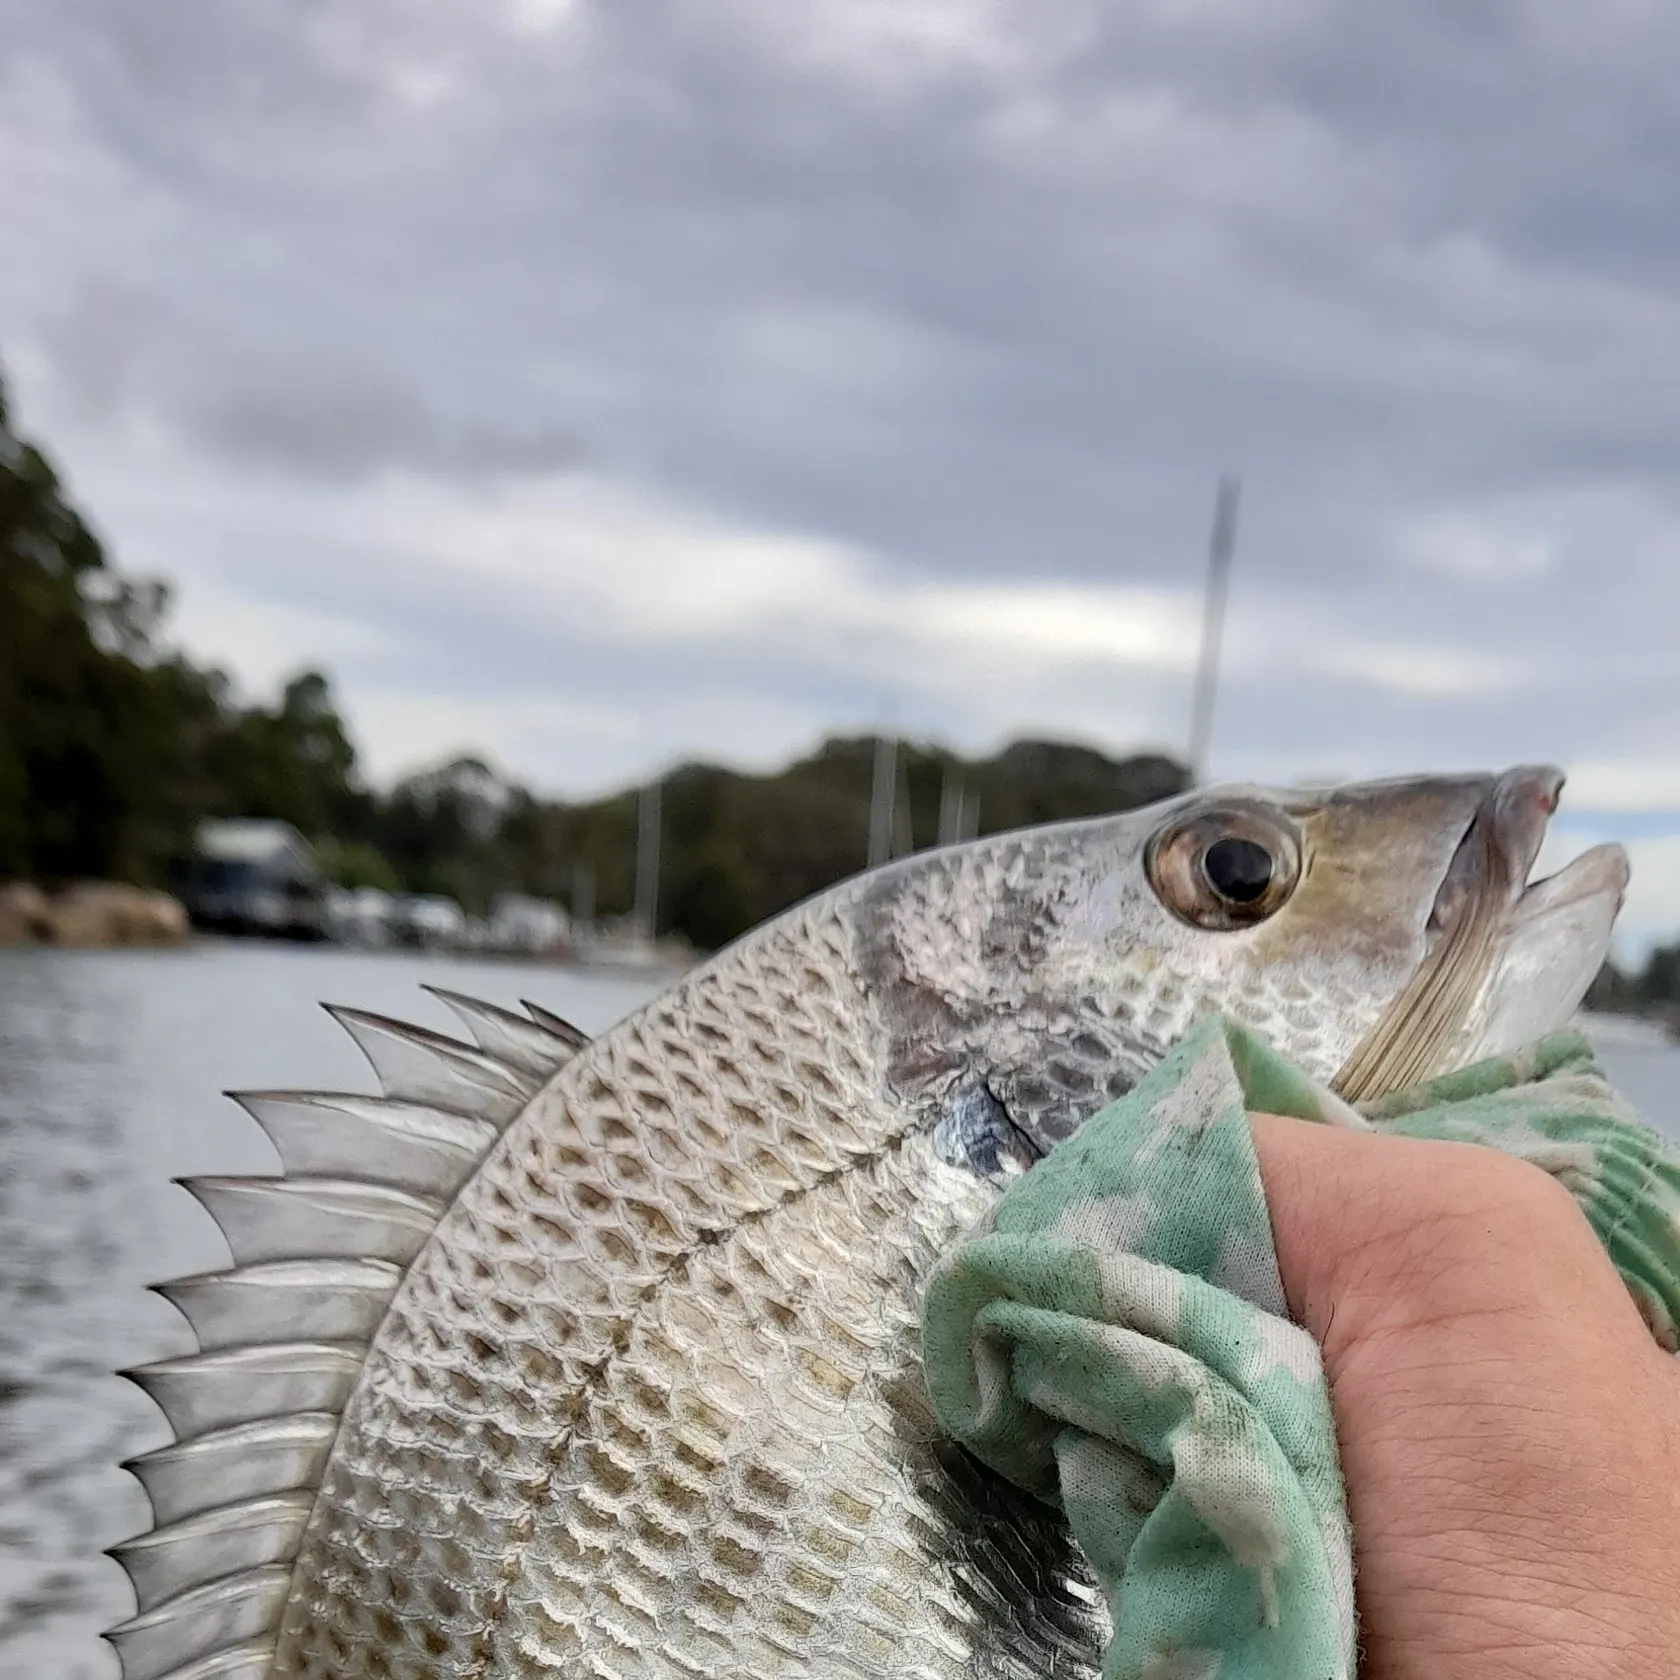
561	1028
425	1067
318	1251
243	1461
201	1394
525	1042
208	1545
298	1218
201	1621
323	1134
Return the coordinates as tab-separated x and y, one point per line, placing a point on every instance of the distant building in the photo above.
256	877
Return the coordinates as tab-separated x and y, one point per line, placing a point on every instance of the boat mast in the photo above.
951	806
647	863
882	796
1220	548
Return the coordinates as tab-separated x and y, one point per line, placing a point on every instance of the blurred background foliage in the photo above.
114	746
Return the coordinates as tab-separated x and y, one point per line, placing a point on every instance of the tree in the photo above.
114	747
293	763
72	702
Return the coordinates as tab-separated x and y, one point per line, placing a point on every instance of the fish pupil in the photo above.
1238	870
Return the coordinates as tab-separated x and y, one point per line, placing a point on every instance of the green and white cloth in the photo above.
1115	1338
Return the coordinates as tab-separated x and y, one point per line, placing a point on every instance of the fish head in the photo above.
1377	934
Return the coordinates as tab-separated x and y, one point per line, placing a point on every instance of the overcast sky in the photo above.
606	382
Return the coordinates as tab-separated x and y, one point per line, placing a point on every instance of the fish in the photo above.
572	1357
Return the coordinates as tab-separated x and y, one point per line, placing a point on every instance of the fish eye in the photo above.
1238	870
1225	868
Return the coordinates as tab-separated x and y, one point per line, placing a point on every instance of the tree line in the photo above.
1651	988
115	746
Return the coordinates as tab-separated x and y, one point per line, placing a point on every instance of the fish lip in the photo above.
1504	960
1599	872
1553	939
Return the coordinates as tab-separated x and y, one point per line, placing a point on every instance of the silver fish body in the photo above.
603	1360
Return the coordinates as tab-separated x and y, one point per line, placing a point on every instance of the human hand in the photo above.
1509	1431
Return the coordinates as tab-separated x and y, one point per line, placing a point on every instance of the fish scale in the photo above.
849	1565
645	1401
622	1207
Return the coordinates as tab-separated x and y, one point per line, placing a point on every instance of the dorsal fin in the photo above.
529	1044
425	1067
282	1334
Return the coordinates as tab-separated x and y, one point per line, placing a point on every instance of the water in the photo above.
110	1065
110	1069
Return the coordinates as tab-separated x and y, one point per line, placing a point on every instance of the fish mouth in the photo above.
1506	958
1598	875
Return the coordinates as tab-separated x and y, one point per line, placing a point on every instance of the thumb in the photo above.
1378	1234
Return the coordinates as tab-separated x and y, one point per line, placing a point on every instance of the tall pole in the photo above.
951	807
904	839
647	862
1220	548
583	899
881	800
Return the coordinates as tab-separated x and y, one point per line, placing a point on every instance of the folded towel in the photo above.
1115	1338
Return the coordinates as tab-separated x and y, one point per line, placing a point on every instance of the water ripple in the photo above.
110	1069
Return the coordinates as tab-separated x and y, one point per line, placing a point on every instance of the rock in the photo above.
25	915
104	913
92	914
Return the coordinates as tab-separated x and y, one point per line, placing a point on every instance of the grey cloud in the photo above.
342	420
118	349
1000	315
628	199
